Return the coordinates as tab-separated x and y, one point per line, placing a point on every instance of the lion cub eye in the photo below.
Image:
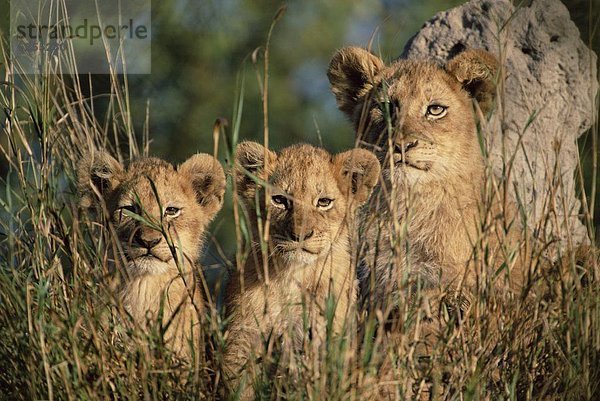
325	203
436	111
172	211
131	208
126	211
280	201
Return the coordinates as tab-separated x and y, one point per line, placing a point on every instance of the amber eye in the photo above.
172	211
280	201
436	111
325	203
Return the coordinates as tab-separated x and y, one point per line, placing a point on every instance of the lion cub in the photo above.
420	118
161	253
313	198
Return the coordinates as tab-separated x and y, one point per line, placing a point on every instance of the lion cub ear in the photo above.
208	180
249	165
351	73
98	174
477	71
357	172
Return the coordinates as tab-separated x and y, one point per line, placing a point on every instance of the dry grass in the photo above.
64	334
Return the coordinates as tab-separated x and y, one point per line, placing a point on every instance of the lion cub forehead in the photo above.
162	174
304	153
418	77
300	165
150	166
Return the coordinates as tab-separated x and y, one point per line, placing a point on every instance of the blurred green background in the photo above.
201	50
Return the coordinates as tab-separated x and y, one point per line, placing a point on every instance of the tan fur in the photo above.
155	273
433	170
309	250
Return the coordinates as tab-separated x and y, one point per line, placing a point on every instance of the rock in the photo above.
547	100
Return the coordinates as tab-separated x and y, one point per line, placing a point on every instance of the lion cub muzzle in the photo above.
413	153
301	237
298	237
146	241
300	228
401	149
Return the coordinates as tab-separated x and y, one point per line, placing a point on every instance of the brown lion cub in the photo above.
420	118
313	198
161	253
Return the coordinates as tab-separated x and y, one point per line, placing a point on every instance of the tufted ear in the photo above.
98	173
208	180
357	172
351	73
250	159
477	71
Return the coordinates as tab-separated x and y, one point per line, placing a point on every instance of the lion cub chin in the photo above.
420	117
159	213
310	206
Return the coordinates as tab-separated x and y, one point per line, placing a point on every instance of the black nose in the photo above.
147	243
298	238
404	146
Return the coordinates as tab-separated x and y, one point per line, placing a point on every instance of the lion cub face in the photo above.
159	212
416	113
312	196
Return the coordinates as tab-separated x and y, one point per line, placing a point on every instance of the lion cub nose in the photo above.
147	243
298	238
404	146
